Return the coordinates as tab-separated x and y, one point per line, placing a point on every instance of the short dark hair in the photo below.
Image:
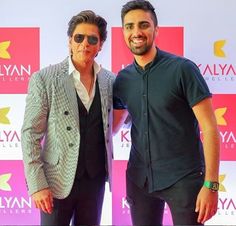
139	4
88	16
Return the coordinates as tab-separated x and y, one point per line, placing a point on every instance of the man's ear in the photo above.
69	45
101	45
156	31
70	40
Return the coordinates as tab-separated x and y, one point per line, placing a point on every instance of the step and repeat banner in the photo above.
33	35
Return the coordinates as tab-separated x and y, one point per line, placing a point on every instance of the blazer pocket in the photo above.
51	158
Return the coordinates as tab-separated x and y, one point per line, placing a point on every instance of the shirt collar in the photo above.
149	65
72	68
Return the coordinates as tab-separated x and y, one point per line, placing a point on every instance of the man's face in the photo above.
139	31
85	43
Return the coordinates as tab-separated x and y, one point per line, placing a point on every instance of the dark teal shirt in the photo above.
165	135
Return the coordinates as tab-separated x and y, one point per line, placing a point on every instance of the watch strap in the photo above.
214	186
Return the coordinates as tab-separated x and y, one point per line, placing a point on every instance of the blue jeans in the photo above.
148	208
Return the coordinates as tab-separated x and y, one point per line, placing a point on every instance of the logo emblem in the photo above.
4	54
218	48
221	186
3	115
4	185
219	113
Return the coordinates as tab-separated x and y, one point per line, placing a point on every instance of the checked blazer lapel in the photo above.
67	84
103	87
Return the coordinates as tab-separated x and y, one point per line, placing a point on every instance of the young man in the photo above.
166	97
66	135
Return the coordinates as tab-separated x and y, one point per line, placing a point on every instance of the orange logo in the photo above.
3	115
4	185
4	54
221	179
218	48
219	113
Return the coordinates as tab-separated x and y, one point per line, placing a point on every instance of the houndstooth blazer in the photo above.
50	149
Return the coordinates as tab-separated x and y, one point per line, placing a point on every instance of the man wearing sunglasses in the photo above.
66	134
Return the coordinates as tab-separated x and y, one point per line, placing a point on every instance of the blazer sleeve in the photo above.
32	133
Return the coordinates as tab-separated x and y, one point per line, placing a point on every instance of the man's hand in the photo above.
43	200
206	204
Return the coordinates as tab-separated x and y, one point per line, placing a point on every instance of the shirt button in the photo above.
66	113
71	145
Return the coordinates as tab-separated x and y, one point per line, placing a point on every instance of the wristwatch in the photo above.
212	185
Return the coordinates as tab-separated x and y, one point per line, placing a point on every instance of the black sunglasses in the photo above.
92	40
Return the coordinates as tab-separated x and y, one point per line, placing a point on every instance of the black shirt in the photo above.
165	135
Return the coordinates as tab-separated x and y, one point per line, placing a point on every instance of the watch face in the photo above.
215	186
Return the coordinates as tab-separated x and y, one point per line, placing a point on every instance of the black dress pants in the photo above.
83	206
148	208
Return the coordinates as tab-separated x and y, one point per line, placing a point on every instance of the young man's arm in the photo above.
207	200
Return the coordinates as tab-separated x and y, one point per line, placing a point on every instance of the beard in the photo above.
140	50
